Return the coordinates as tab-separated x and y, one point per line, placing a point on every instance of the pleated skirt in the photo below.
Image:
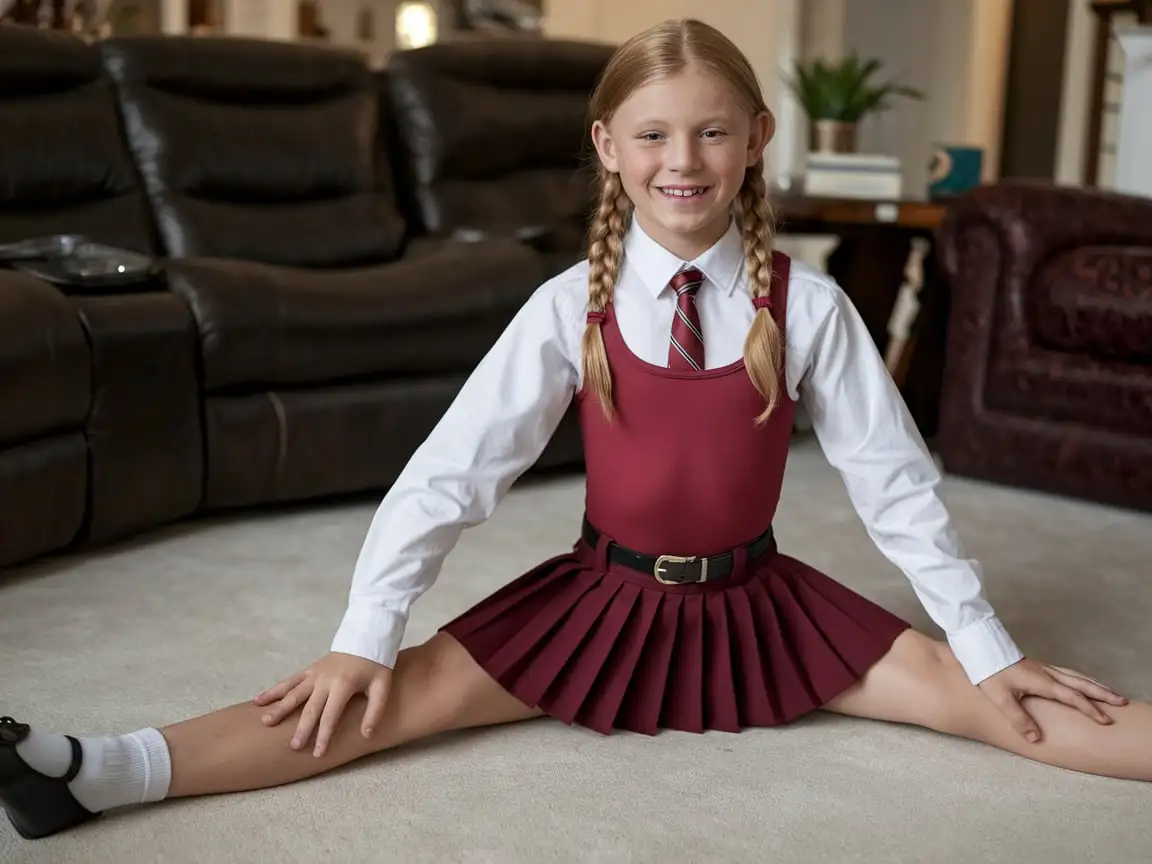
607	647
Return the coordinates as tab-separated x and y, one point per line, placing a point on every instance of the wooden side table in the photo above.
876	239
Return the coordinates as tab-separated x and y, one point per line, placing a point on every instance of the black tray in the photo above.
71	259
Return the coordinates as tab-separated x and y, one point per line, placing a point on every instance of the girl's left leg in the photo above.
920	682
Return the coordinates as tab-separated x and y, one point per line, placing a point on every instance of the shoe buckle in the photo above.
685	565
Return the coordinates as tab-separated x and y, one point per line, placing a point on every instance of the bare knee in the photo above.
436	681
944	688
919	681
927	657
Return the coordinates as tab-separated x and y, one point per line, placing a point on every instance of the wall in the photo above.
1075	95
1035	76
341	18
174	16
956	52
270	19
986	59
974	85
894	32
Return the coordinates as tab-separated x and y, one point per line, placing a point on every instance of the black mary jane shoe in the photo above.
37	805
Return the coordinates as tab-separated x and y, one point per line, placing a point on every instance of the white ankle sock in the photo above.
119	770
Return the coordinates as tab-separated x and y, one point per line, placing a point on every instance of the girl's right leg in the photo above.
436	687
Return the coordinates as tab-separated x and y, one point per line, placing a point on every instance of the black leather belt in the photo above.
679	569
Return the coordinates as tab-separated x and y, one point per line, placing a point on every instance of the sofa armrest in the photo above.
45	369
145	439
1033	223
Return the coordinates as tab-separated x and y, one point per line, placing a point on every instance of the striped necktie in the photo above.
686	351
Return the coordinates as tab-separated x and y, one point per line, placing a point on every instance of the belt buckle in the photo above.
664	560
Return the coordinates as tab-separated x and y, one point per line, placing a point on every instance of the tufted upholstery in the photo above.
1097	301
257	150
53	96
1048	380
494	135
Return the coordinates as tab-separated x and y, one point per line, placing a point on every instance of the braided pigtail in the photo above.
605	253
763	348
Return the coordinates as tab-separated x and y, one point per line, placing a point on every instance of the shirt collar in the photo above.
722	264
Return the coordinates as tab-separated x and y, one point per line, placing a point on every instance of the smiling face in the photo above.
682	145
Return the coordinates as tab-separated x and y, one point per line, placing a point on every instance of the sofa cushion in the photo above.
258	150
1049	387
493	131
1096	300
284	445
438	310
64	165
45	373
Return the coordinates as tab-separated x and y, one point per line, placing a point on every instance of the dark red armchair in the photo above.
1048	370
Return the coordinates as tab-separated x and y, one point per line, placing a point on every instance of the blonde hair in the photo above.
663	50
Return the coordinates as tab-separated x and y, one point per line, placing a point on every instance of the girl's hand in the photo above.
1029	678
325	688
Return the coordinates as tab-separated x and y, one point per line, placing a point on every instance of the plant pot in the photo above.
832	136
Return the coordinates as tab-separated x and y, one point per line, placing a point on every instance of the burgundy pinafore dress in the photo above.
681	470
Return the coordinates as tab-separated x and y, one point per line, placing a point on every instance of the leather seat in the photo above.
495	139
64	168
438	312
257	150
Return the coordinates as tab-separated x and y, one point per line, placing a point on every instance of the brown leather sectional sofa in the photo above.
335	250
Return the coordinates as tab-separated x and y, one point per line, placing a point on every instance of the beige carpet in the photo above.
186	620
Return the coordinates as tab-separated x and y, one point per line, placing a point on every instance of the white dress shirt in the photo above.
506	412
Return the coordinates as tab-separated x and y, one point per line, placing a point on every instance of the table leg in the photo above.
924	365
871	271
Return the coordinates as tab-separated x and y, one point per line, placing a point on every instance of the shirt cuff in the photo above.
372	633
984	648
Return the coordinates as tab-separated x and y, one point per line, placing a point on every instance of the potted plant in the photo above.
836	96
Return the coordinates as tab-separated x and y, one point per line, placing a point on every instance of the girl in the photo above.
675	610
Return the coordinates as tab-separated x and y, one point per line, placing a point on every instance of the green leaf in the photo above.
842	90
870	69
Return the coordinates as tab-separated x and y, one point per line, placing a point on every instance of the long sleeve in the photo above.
495	429
867	434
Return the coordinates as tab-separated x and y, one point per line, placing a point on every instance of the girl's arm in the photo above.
867	434
495	429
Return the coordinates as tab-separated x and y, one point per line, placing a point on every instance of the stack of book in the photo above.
853	175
